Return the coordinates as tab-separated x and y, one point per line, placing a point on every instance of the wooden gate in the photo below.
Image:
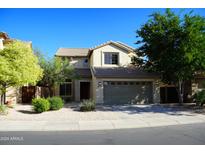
168	95
28	93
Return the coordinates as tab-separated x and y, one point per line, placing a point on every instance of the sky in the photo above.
50	29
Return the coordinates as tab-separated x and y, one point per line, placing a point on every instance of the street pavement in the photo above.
184	134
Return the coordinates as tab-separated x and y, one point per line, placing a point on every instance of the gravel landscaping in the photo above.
71	113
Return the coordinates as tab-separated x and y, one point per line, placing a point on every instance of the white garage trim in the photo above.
99	90
138	92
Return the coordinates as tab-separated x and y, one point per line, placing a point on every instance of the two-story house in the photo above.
106	75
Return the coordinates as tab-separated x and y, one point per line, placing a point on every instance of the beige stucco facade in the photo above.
97	60
1	43
97	57
13	94
79	62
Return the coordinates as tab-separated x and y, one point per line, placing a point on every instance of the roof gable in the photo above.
117	44
83	52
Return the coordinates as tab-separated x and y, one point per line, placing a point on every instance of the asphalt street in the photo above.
190	134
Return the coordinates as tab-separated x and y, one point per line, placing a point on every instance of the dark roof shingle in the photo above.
122	72
83	72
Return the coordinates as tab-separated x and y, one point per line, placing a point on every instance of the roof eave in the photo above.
4	35
128	77
68	56
115	43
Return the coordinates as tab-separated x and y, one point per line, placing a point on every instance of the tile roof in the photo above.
4	35
72	52
122	72
82	52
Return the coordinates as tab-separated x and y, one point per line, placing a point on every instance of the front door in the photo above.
84	90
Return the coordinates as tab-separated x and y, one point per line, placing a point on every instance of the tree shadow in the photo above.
140	109
200	111
27	112
75	106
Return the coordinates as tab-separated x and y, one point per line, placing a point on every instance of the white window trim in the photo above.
111	53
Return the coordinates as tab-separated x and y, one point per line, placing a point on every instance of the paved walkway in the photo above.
116	117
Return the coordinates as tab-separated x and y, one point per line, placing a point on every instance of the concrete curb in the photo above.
92	125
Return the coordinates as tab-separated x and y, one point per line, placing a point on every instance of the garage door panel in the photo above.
127	94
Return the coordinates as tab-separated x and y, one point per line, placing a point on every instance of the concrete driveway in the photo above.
22	118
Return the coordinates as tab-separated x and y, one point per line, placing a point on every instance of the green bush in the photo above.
200	97
40	105
3	110
87	105
56	103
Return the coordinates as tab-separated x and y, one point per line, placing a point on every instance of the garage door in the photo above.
122	92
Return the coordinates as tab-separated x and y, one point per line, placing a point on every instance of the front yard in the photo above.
69	118
70	112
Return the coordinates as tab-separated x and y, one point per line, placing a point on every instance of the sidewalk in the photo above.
22	118
95	124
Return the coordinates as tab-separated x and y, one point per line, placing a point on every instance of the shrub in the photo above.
87	105
56	103
3	110
200	97
40	105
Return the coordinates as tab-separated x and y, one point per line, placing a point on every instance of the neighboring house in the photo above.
12	93
107	76
3	38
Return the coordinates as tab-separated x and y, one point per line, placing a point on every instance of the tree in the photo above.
18	66
173	46
56	71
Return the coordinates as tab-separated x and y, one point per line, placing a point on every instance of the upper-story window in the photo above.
85	61
111	58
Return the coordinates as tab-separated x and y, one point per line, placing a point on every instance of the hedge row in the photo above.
42	104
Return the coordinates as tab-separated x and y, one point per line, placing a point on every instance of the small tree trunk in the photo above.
181	92
50	91
2	98
3	94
